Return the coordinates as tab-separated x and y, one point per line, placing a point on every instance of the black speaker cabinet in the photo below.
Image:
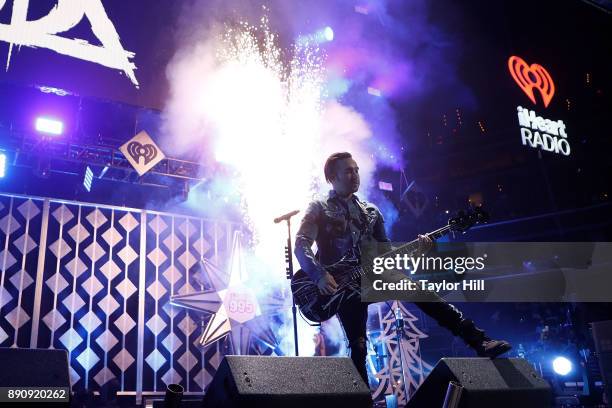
294	382
602	336
26	368
499	383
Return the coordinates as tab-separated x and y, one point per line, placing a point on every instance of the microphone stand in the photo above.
399	332
289	270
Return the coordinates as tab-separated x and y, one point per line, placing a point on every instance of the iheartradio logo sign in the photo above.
538	132
532	78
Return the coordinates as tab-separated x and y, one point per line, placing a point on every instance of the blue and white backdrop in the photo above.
97	280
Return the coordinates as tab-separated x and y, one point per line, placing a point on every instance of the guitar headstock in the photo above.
464	220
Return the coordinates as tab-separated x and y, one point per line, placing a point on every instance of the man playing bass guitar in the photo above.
338	224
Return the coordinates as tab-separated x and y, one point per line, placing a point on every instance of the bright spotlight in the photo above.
328	33
2	165
320	36
49	125
88	179
562	365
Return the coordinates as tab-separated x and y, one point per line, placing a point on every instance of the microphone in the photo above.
286	216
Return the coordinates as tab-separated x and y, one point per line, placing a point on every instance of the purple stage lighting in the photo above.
2	165
383	185
374	91
49	125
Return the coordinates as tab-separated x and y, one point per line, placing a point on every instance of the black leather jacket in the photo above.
336	226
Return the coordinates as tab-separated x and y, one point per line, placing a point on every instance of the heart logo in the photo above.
146	151
530	78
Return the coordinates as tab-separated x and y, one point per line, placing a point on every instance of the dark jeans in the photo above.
353	316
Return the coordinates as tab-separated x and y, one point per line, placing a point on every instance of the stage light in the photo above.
49	125
56	91
373	91
2	165
328	33
383	185
103	172
88	179
362	9
320	36
562	365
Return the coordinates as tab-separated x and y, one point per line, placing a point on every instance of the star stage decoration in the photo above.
233	305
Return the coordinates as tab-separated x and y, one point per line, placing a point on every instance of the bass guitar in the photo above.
347	272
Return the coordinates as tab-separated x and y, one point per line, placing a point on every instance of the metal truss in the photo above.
53	154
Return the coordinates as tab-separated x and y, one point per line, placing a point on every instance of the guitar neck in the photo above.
460	223
409	247
413	246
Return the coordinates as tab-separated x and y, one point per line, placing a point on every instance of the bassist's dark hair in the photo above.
330	163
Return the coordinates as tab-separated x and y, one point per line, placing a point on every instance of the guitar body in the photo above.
317	307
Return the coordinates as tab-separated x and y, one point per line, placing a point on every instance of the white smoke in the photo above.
235	101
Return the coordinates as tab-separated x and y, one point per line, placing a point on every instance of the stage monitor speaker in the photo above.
602	337
499	383
295	382
20	367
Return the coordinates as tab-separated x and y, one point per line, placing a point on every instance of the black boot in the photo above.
477	340
451	318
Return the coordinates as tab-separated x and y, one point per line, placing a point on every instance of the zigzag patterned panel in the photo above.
96	281
20	227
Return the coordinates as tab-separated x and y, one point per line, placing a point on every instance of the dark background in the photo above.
461	138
